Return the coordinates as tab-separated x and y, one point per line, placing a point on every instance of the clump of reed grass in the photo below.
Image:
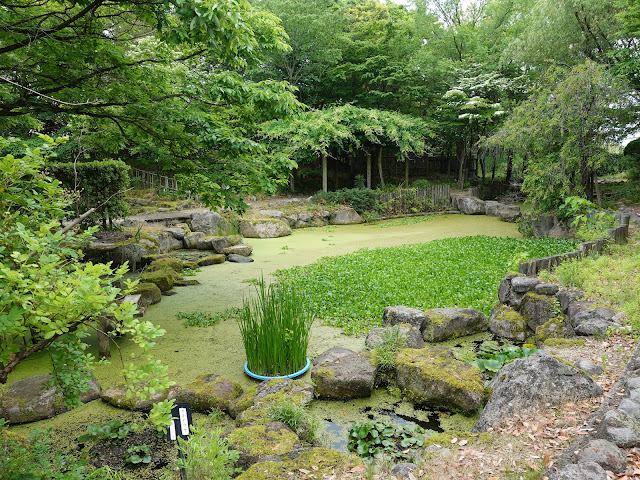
275	329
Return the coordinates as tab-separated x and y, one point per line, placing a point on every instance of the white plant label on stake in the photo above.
172	431
184	423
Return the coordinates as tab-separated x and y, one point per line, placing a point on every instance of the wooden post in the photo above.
380	167
368	154
324	171
406	173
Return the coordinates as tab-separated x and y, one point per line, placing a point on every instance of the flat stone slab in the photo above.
340	373
235	258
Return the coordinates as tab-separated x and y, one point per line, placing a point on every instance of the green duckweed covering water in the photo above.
351	291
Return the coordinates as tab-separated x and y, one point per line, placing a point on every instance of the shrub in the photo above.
99	184
275	330
589	223
297	418
206	455
360	199
34	459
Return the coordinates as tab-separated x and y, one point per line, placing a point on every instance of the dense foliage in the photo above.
99	184
351	291
49	301
372	440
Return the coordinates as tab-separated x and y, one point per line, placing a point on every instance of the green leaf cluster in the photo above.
371	440
137	454
494	357
112	431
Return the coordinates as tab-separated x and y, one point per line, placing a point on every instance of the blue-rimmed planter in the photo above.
262	377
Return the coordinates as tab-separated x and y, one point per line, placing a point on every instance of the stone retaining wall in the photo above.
617	235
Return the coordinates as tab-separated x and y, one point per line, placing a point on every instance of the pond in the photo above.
189	352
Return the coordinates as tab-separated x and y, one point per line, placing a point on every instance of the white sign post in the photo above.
181	422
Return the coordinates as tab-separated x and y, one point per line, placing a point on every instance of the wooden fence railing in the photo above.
617	234
156	181
436	195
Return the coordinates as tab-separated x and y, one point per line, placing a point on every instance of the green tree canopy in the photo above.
565	127
160	83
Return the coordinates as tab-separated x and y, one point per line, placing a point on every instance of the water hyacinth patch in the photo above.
351	291
275	329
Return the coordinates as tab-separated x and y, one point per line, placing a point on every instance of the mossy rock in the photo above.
150	293
257	441
272	392
538	309
322	462
507	323
173	263
557	327
434	377
190	265
445	323
242	402
117	397
211	260
186	282
210	392
164	279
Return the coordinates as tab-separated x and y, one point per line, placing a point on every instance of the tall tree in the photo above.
565	128
160	82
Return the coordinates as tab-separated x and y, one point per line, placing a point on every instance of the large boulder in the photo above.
257	441
491	208
345	216
117	397
191	240
401	314
593	321
533	383
264	228
149	293
235	258
471	206
605	454
31	399
444	323
217	244
434	377
619	428
244	250
209	392
340	373
120	252
556	327
410	336
509	213
252	406
538	309
507	323
211	223
166	241
580	471
164	278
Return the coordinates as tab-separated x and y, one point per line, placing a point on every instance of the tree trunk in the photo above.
380	167
493	166
586	178
368	154
335	175
324	171
509	165
598	191
483	163
406	173
460	155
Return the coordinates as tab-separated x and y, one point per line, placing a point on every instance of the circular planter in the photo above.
262	377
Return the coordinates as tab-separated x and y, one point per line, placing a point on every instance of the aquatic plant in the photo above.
275	327
371	440
351	291
493	358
